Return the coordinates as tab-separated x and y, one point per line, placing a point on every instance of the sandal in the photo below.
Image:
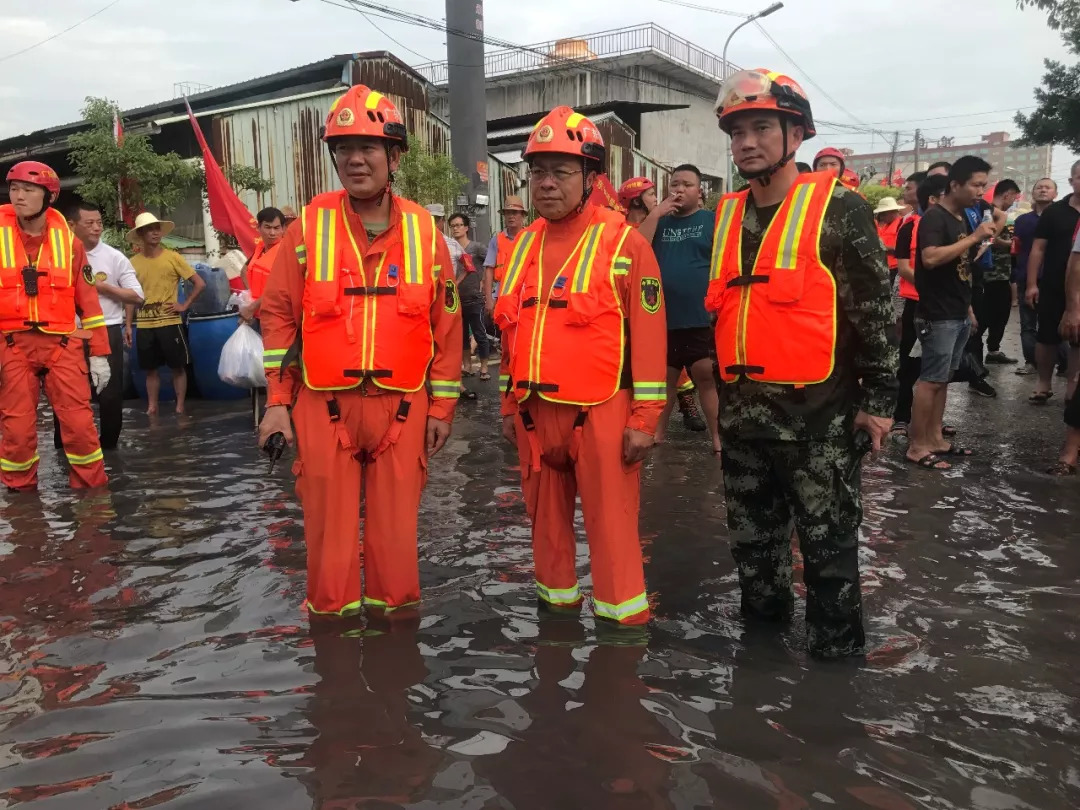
1040	397
955	450
465	373
930	462
1062	469
948	431
469	395
485	376
899	428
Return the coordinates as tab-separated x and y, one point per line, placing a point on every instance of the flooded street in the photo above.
155	654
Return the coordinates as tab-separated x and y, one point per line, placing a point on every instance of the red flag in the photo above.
126	188
603	195
227	213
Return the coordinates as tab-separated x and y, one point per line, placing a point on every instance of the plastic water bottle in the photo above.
988	216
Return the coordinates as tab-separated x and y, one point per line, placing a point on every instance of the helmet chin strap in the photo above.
387	191
765	176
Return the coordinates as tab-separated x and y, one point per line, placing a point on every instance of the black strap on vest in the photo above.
743	369
361	373
746	281
370	291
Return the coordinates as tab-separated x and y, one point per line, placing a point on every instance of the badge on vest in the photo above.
88	274
650	295
451	297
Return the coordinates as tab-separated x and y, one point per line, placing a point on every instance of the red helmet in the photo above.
30	171
829	151
365	112
849	179
565	132
763	89
634	188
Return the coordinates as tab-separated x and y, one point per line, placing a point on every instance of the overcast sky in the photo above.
890	65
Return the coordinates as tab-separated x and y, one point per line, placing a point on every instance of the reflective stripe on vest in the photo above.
410	234
517	261
7	247
777	323
583	271
325	244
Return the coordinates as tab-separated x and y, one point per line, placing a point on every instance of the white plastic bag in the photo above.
241	362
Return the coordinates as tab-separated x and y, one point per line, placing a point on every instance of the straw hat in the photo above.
513	203
887	204
146	218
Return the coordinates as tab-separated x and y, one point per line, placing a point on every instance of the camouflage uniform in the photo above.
790	456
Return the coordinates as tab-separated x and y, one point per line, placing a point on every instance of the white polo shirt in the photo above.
113	267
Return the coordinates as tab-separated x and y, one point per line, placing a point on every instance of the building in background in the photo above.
1024	164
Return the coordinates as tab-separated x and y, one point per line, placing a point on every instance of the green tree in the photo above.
1056	118
428	177
152	180
875	194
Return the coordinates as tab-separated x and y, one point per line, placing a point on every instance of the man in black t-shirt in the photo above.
944	252
1051	250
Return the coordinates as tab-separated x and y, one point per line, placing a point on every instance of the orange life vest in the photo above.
887	234
358	324
504	247
258	269
52	309
777	323
907	289
569	346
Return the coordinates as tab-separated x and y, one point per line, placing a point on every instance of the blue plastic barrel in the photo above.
206	337
138	376
215	298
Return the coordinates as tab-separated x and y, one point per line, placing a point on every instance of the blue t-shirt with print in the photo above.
683	247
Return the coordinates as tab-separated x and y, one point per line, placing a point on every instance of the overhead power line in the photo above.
706	8
381	30
58	34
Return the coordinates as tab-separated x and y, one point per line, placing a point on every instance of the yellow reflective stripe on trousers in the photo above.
7	465
650	390
325	244
89	458
446	389
793	225
517	262
583	272
273	358
7	247
559	596
410	231
623	610
93	322
722	234
371	602
352	607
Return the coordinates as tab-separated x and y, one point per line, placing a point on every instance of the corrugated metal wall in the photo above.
624	163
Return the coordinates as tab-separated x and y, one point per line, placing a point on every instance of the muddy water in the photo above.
154	654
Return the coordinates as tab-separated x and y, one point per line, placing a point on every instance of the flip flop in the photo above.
469	395
948	431
1040	397
899	429
955	450
1062	469
930	462
485	376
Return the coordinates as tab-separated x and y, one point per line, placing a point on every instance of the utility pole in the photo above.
892	157
468	108
918	144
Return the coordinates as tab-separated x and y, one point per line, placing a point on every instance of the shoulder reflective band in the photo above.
272	358
723	232
7	247
60	248
93	322
301	253
410	239
793	225
517	261
583	272
445	389
325	244
649	391
622	265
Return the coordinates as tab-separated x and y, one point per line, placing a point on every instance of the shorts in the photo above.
687	346
161	346
1051	308
943	344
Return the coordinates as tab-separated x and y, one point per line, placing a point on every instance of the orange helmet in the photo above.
850	179
634	188
30	171
364	112
763	89
565	132
832	152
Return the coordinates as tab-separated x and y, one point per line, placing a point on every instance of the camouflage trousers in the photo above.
773	486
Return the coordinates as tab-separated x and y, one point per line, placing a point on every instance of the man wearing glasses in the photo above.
582	312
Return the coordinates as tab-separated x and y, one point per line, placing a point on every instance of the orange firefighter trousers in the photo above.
585	460
28	359
333	465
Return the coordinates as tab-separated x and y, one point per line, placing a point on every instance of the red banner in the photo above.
227	213
603	195
126	188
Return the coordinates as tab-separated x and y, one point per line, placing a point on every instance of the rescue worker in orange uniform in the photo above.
271	226
362	294
500	247
585	365
46	281
807	356
638	196
830	159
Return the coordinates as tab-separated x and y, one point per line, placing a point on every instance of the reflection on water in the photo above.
155	654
